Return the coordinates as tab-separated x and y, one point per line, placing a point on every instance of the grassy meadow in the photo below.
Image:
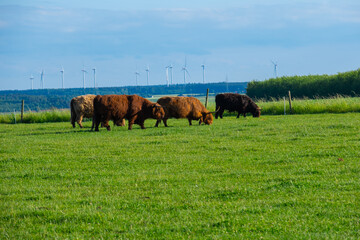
273	177
337	104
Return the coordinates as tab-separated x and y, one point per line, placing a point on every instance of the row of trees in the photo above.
43	99
311	86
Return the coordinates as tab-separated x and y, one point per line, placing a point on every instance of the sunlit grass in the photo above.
273	177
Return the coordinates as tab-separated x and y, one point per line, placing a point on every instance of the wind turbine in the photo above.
42	79
32	82
147	74
167	75
185	72
62	77
203	68
94	69
275	68
84	71
171	74
136	77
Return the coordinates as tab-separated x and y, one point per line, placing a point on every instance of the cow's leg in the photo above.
97	119
79	120
93	123
131	122
165	122
189	121
221	112
157	123
217	113
238	114
73	117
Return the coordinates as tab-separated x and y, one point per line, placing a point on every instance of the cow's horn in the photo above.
216	110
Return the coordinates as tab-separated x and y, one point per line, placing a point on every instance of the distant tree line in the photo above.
43	99
311	86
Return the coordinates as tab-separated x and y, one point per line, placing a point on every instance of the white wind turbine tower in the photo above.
203	68
275	68
94	69
42	79
62	77
136	77
84	71
167	75
32	82
147	74
171	74
184	69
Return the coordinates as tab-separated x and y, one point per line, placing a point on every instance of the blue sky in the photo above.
236	40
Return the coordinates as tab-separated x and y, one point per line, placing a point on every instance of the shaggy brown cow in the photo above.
235	102
184	107
118	107
81	107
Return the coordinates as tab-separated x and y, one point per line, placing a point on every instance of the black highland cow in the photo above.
235	102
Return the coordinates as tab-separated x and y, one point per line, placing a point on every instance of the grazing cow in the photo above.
81	107
184	107
235	102
118	107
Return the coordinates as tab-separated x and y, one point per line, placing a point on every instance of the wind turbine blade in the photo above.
187	73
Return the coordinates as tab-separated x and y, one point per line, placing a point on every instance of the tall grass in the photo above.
338	104
54	115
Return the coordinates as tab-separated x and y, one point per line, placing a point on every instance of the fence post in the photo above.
284	107
22	110
290	102
207	97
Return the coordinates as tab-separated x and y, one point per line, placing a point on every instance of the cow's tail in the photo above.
73	113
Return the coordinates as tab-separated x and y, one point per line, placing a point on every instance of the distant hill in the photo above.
43	99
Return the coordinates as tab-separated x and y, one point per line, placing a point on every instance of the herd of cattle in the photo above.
137	109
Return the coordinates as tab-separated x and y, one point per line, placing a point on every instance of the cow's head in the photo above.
256	112
207	118
158	111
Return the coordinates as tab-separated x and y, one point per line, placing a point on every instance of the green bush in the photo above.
311	86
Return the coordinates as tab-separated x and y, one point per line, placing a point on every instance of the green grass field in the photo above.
337	104
274	177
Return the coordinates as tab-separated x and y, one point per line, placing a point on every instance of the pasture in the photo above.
273	177
338	104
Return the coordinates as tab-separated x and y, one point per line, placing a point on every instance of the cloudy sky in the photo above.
235	40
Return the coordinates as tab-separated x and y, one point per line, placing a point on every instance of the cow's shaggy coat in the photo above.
235	102
134	108
81	107
184	107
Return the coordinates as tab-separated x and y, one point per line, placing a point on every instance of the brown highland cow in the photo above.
184	107
118	107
